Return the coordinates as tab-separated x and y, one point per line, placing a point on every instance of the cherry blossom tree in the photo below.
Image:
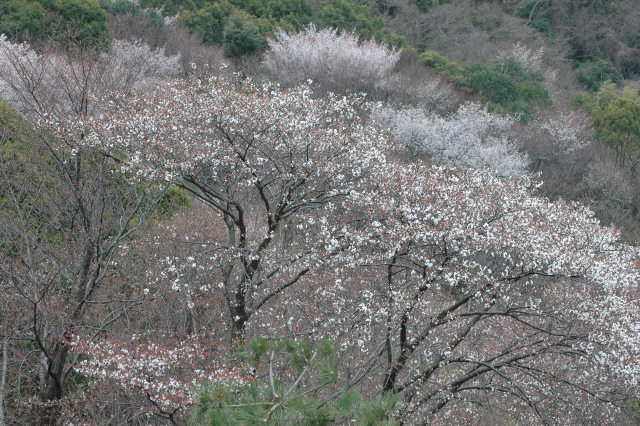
462	290
487	301
66	211
471	137
70	82
158	380
339	60
270	163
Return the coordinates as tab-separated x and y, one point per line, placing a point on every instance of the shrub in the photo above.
80	22
443	66
70	23
208	22
593	73
125	7
509	86
495	86
241	36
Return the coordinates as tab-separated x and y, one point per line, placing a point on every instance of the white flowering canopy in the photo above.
478	291
329	55
470	138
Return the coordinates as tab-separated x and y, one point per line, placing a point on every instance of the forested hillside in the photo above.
307	212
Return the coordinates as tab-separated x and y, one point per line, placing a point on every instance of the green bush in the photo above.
617	122
593	73
67	22
289	15
532	91
79	22
539	19
212	20
514	69
208	22
125	7
443	66
241	36
505	84
583	101
495	86
508	86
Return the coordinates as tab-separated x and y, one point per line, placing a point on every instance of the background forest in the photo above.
232	212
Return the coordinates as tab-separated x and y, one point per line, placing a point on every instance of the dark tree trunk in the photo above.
52	394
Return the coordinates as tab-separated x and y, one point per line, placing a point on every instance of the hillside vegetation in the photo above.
293	212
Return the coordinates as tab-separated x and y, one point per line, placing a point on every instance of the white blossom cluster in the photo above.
135	62
470	138
329	55
450	284
70	83
531	57
569	131
168	376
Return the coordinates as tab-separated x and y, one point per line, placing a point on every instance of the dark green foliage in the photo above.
425	5
536	15
594	73
349	15
9	120
295	383
345	14
209	21
125	7
287	14
20	16
78	22
505	84
508	86
617	121
582	101
241	36
243	25
634	408
516	71
172	7
173	201
66	22
602	6
494	85
200	15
